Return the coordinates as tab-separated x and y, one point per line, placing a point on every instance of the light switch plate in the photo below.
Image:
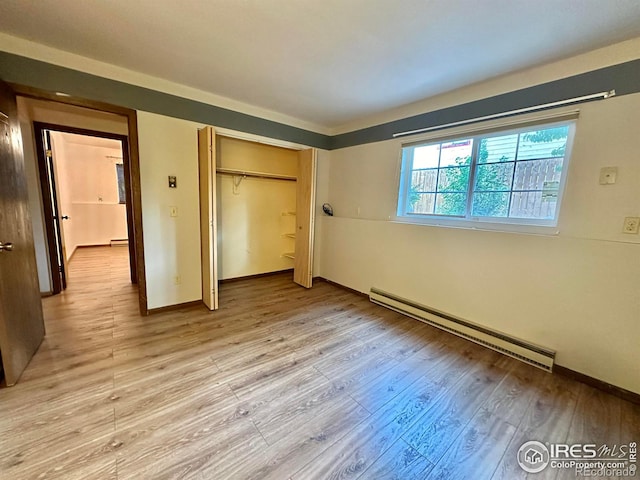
173	211
608	175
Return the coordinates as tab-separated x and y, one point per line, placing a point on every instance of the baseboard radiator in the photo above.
527	352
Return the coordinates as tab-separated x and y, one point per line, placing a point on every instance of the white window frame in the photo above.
524	225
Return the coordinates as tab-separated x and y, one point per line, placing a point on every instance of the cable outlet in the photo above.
631	225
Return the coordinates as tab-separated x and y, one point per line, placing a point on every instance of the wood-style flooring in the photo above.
280	383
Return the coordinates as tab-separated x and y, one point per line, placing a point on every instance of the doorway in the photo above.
85	194
279	207
62	112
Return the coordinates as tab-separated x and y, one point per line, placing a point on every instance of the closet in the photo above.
256	210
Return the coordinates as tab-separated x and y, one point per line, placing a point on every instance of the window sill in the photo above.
465	224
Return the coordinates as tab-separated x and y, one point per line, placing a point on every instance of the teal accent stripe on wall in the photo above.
53	78
624	78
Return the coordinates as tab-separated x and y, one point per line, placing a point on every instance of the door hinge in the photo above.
49	154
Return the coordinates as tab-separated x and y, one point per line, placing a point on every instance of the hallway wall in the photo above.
88	190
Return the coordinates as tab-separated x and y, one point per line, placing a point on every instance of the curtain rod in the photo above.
601	95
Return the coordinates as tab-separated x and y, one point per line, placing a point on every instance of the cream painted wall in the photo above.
252	226
30	110
255	157
169	146
576	292
72	116
88	190
323	172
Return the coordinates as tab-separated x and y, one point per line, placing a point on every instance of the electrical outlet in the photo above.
608	175
631	225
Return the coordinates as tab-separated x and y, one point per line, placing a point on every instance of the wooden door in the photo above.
208	220
305	217
21	321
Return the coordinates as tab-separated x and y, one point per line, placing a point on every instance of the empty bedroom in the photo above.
319	240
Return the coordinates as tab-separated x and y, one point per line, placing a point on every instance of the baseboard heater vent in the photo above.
527	352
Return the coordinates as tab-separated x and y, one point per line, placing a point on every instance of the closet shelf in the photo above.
289	255
247	173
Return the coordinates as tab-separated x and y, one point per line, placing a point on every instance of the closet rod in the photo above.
243	173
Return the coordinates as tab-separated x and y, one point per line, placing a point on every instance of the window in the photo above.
513	176
120	178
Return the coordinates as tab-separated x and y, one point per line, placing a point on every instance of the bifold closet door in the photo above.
305	200
208	221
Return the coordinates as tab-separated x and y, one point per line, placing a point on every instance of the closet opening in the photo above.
256	210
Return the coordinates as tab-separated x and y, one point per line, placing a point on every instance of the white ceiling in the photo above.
328	62
92	141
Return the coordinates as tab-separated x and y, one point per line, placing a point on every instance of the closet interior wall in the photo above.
256	215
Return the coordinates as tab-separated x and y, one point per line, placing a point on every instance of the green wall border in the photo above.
624	78
53	78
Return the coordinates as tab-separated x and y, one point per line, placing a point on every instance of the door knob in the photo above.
6	247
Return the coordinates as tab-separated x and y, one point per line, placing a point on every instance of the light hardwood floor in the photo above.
280	383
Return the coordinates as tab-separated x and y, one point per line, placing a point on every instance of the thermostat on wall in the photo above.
172	181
